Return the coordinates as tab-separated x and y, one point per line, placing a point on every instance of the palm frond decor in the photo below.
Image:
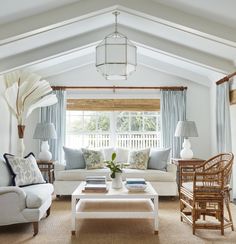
24	93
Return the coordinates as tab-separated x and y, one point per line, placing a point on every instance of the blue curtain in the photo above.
173	109
56	114
223	128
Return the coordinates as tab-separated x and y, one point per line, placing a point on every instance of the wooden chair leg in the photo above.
227	199
193	217
181	207
222	217
48	212
36	228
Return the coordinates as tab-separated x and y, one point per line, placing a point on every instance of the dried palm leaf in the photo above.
25	92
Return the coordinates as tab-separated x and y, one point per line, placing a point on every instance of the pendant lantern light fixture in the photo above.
116	56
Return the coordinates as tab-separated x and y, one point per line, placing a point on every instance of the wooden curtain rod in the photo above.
226	78
176	88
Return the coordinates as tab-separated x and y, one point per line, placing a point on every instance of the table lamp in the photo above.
186	129
45	131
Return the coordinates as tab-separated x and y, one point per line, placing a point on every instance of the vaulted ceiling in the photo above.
195	40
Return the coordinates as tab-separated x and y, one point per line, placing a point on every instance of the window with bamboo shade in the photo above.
97	123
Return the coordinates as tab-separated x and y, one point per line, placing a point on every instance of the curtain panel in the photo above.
56	114
173	109
223	127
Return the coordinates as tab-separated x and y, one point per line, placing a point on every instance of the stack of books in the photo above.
135	184
95	184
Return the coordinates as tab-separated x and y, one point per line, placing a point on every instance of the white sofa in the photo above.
164	182
22	204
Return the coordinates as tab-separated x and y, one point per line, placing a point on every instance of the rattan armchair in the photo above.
205	191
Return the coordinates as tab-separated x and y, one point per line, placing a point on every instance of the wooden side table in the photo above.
185	162
48	167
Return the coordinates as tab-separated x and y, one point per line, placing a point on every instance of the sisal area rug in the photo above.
56	229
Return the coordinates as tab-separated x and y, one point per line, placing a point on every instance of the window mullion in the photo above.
113	128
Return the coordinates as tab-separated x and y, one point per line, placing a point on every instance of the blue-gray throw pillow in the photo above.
74	158
158	159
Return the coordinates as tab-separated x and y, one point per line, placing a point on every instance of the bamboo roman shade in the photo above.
232	97
113	104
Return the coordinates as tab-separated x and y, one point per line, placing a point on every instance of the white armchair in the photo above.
23	204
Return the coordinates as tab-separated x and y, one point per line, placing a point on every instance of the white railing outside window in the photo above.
138	140
96	140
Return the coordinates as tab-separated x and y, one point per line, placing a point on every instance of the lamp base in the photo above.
186	152
45	154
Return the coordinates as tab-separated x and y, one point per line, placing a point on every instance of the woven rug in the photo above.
56	229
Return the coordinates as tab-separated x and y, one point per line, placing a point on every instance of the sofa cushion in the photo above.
93	159
158	159
107	152
36	195
6	178
74	158
148	174
25	170
138	159
122	155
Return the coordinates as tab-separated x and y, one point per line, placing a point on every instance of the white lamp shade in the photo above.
186	129
45	131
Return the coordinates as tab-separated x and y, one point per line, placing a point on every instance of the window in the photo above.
87	129
97	129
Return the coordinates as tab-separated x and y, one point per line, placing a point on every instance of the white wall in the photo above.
213	119
31	145
198	96
233	130
8	124
4	123
198	110
8	128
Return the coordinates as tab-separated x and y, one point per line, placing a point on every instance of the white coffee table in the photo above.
115	204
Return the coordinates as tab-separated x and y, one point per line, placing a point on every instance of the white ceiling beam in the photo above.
63	67
52	51
86	8
174	70
70	45
181	20
180	52
53	19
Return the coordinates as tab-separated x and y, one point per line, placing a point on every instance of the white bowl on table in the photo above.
136	187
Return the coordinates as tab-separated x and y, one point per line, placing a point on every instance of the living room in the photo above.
180	66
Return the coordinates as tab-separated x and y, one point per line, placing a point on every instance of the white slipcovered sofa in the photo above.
66	180
26	204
